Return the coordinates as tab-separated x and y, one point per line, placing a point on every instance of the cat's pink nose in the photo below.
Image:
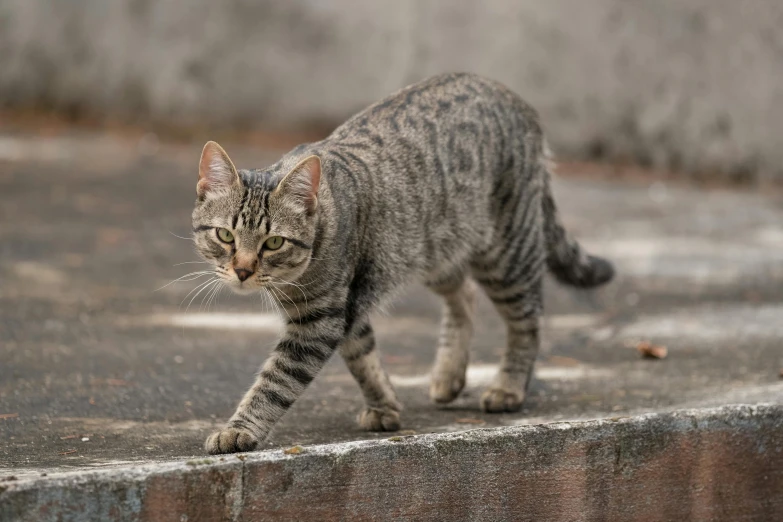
242	273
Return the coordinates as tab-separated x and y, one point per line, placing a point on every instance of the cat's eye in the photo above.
225	235
273	243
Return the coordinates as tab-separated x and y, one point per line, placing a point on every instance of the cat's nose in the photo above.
242	273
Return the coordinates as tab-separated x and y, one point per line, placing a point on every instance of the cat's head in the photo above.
256	228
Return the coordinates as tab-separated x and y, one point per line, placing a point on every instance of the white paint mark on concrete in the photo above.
695	260
571	321
709	323
21	149
384	326
217	321
770	236
567	373
602	334
482	375
39	273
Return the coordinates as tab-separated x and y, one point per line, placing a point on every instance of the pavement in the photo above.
104	364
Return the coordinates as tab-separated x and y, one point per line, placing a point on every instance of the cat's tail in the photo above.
566	259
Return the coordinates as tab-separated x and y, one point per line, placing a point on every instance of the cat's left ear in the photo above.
216	172
302	183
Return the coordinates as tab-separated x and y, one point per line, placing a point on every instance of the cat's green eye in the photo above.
225	235
274	242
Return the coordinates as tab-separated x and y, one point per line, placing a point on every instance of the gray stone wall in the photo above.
691	84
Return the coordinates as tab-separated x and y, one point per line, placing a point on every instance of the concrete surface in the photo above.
89	349
691	84
99	370
720	464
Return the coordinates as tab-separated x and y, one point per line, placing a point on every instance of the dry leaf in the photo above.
8	415
468	420
296	450
651	351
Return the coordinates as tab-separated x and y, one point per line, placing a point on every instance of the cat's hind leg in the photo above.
451	358
507	391
512	278
382	411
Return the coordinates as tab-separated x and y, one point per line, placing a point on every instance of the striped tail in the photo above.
566	259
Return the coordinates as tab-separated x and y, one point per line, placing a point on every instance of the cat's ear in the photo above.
302	183
216	172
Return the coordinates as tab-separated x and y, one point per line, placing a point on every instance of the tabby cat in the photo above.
444	182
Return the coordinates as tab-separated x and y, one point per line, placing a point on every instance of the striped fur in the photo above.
444	182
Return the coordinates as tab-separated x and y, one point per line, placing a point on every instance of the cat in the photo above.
445	182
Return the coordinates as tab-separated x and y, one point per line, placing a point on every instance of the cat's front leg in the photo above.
299	356
382	410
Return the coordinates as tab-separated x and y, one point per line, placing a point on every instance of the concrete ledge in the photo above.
712	464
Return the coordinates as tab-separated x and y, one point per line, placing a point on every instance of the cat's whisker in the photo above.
298	313
218	294
298	287
206	300
191	277
203	288
180	237
303	285
279	302
281	307
199	287
272	304
269	304
264	301
211	295
214	295
205	296
192	263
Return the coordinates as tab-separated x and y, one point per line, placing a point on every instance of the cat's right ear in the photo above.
216	172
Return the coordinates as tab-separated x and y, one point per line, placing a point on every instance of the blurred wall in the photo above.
693	84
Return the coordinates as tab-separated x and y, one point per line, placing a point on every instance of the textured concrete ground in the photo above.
98	369
702	465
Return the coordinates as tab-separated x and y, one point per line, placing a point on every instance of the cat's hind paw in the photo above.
230	440
444	389
375	419
499	400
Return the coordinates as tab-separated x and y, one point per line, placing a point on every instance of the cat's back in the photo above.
439	104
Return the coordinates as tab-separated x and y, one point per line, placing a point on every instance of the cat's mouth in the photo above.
249	286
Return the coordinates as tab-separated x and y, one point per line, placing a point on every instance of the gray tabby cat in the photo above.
443	182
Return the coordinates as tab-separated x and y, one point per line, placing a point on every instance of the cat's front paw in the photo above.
499	400
231	440
375	419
